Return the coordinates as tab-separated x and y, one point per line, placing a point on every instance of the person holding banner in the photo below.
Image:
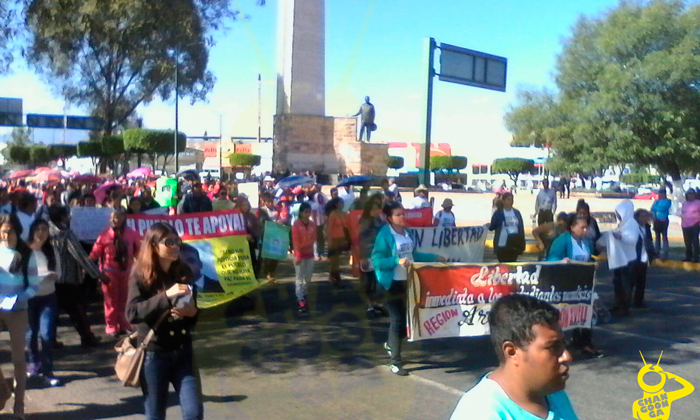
509	239
252	228
533	366
116	248
392	255
573	245
160	288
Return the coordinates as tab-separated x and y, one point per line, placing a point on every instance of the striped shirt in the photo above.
72	257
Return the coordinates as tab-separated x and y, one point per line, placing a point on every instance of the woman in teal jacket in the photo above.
392	255
575	246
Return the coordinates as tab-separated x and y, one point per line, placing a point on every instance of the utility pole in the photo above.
177	96
259	105
221	149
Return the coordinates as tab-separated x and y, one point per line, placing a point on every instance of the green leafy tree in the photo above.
244	160
153	143
9	29
39	155
19	155
629	92
394	162
513	167
113	55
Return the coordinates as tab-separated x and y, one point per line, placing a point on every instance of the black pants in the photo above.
396	305
544	216
72	299
336	247
253	246
692	243
639	281
506	255
369	285
622	280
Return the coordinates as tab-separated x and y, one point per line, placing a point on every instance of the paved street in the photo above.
261	360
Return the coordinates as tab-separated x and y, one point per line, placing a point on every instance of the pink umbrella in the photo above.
139	173
42	169
88	179
21	174
102	192
47	176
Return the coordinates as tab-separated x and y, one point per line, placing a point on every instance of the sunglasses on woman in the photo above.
171	242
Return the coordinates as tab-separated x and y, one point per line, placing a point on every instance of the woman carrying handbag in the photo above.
160	288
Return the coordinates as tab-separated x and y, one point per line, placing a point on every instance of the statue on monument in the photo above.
367	119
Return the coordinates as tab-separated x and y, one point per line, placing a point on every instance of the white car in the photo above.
213	173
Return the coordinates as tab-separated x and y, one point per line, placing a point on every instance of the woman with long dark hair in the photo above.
584	210
161	297
509	239
18	283
116	248
392	255
370	224
43	307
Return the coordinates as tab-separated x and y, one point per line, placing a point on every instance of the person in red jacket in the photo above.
303	239
115	249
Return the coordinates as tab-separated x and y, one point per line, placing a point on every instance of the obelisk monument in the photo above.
301	60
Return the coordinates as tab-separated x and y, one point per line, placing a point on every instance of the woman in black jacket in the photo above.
160	289
368	227
509	240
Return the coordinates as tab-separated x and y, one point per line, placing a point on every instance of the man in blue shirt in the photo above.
534	366
660	210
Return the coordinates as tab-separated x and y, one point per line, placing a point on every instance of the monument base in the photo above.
325	144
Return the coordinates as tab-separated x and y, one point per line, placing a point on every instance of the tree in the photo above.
21	136
447	163
9	28
39	155
629	91
394	162
111	56
153	143
243	160
513	167
19	155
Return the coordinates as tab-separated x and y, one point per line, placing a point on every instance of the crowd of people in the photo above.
143	282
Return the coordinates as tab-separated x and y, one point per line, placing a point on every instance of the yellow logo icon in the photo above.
656	403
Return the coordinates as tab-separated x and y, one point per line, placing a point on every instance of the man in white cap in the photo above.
420	201
445	217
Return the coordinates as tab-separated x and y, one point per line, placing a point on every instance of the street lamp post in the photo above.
177	96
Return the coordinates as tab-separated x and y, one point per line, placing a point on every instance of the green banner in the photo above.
275	241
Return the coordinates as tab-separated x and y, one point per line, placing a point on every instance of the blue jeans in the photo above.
43	316
160	369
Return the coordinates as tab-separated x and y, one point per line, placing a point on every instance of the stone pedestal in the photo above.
325	144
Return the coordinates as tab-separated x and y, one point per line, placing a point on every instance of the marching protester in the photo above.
147	200
43	210
195	201
392	255
222	201
26	209
267	213
509	239
43	307
545	204
621	249
546	233
135	206
115	249
445	217
318	205
574	246
70	287
252	230
645	255
6	206
584	210
369	226
420	201
161	297
690	222
303	240
533	366
18	283
337	237
660	210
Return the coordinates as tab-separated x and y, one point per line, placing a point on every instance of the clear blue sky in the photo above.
373	47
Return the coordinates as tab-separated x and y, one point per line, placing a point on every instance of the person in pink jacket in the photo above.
690	222
115	249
